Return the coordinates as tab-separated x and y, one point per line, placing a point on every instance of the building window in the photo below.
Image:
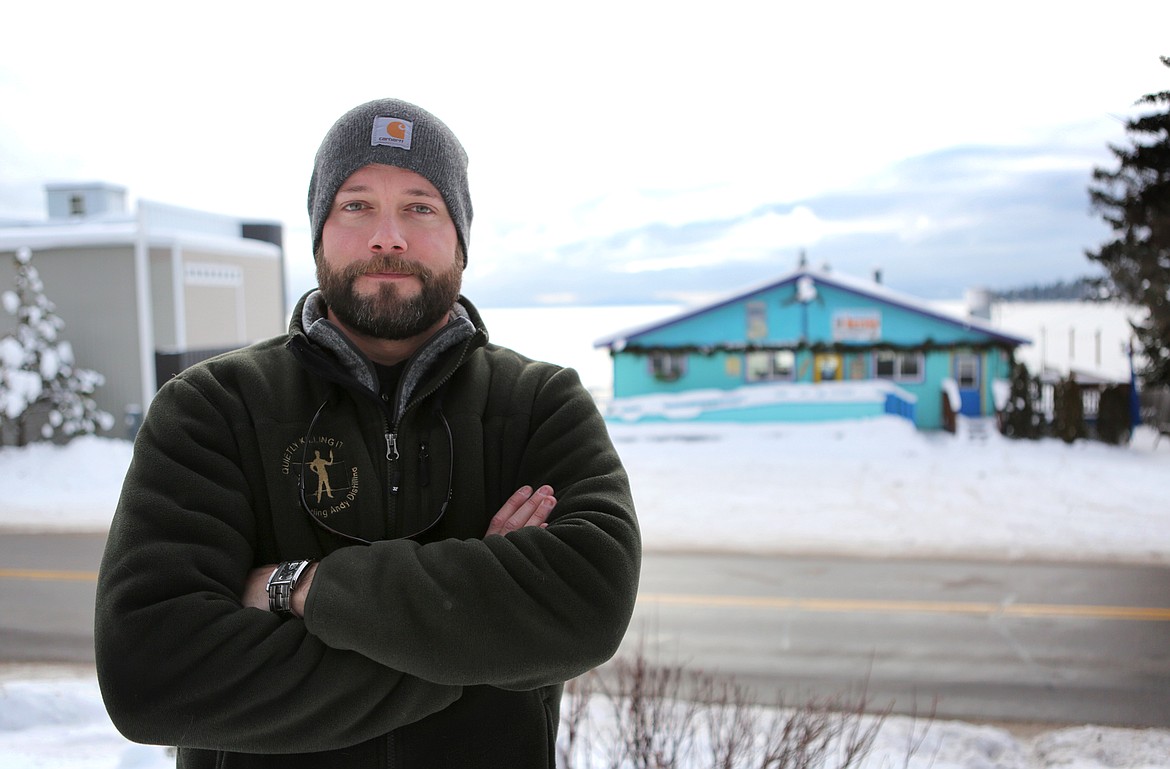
757	320
667	366
77	205
857	370
967	371
827	367
210	274
771	365
898	366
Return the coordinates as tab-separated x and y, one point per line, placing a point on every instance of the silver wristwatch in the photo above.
281	585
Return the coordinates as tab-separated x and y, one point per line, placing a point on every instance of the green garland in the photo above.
929	345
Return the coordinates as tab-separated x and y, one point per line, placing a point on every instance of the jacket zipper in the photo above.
392	458
450	373
394	475
392	429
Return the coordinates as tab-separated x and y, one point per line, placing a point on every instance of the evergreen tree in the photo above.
1135	201
1068	410
40	388
1021	419
1113	424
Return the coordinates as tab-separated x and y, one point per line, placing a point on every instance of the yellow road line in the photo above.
49	575
847	605
823	605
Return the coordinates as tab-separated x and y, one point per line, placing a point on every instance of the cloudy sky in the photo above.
621	151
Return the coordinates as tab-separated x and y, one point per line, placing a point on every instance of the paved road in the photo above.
46	596
1072	643
1064	643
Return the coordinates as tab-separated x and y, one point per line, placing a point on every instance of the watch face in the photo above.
287	571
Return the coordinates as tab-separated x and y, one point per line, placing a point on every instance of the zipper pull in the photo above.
424	465
392	458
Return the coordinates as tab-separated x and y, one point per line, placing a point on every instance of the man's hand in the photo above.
524	508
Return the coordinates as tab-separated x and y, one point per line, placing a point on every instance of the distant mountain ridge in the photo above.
1083	289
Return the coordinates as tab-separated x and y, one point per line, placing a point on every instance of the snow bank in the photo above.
875	486
53	719
880	487
72	487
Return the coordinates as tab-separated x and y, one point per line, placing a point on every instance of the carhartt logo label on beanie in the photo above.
391	132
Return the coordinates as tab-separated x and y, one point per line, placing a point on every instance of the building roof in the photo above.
865	288
155	224
125	232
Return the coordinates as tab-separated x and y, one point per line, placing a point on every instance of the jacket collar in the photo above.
310	327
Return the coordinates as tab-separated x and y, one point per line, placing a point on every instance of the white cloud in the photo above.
759	239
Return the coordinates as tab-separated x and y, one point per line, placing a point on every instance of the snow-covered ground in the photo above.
872	486
53	718
875	486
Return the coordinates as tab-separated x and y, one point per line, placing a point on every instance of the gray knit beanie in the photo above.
393	133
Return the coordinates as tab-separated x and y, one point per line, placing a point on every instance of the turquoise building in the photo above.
811	346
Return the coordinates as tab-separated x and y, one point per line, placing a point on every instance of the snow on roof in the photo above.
165	226
865	288
124	231
63	234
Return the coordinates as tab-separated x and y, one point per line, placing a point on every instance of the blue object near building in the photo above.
811	346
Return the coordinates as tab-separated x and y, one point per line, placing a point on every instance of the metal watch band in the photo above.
280	598
281	585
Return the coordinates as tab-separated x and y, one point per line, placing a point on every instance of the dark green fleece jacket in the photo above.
426	645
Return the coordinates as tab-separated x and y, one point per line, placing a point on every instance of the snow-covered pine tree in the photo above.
41	390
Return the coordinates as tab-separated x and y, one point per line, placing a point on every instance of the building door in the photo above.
969	376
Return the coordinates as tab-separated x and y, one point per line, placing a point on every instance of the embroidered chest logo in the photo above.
327	484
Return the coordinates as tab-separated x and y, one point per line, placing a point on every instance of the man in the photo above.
477	549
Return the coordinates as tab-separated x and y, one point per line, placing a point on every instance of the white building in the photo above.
145	293
1088	339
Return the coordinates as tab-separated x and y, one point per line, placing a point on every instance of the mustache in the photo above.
387	263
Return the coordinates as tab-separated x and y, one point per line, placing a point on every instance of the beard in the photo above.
386	314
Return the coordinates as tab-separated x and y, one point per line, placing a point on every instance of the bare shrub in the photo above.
635	715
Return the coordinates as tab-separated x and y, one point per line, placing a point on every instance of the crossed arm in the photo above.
524	508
